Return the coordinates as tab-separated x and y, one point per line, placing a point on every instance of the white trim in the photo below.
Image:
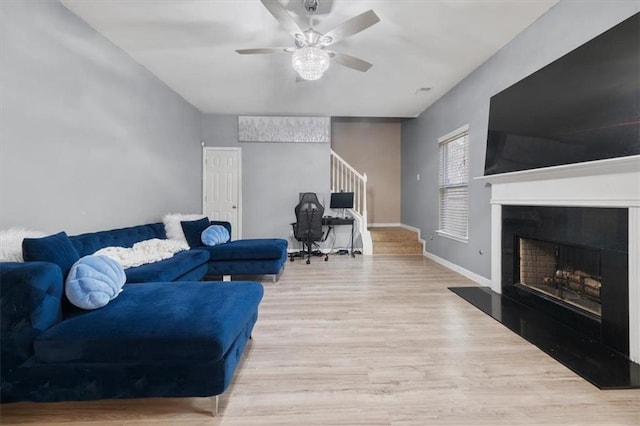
453	133
496	248
452	237
239	204
204	168
348	166
592	202
634	285
461	133
412	228
630	164
419	232
459	269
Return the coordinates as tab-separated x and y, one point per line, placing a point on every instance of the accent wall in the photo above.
564	27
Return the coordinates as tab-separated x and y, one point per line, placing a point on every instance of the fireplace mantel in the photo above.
605	183
613	182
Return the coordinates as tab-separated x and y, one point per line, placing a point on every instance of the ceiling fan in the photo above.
310	56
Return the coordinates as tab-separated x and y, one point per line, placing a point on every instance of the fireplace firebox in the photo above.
572	264
567	274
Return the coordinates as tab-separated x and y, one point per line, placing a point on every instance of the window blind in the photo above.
454	185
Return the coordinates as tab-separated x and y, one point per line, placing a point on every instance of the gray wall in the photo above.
273	174
90	139
565	27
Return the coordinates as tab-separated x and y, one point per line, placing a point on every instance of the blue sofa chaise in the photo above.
252	256
165	335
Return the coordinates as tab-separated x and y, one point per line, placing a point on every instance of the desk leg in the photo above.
352	254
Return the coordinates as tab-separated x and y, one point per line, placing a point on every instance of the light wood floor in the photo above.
372	341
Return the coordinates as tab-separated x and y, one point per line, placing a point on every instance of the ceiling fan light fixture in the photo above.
310	62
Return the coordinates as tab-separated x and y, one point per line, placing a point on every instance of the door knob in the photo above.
234	206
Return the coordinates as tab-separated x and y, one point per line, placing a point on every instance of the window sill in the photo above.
452	237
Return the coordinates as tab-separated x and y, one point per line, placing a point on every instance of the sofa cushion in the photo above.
168	269
214	235
249	249
172	225
156	322
55	248
94	281
193	230
91	242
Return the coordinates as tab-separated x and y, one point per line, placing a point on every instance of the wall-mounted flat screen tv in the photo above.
584	106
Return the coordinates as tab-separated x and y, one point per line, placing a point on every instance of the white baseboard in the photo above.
459	269
412	228
456	268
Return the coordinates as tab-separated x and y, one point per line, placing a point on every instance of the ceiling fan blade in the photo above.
350	27
265	50
282	16
350	61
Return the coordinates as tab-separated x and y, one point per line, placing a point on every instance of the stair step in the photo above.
397	247
392	234
395	240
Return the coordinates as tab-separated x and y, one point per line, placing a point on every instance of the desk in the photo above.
331	222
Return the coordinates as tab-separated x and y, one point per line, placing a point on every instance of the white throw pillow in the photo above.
11	243
172	225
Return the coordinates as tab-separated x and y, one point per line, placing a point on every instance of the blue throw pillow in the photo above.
193	230
94	281
215	234
56	248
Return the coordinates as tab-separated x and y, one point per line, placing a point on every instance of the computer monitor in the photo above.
341	200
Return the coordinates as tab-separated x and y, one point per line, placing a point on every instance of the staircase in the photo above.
346	178
378	240
395	240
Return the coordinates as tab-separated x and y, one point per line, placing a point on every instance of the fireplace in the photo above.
572	263
568	274
593	206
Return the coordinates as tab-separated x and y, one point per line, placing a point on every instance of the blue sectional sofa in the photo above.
262	256
167	334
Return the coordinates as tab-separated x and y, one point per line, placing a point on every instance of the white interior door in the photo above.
222	187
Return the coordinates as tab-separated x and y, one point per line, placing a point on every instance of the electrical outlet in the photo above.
418	176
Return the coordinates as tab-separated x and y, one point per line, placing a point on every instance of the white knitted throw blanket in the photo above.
144	252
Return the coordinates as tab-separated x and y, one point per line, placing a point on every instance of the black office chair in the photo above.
308	226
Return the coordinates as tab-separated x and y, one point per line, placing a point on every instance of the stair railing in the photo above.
345	178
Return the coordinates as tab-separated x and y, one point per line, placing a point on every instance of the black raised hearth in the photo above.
595	362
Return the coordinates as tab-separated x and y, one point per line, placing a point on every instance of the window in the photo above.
454	184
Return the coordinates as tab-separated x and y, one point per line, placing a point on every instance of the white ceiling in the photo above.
190	45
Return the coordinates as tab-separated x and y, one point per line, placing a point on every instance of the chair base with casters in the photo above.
306	252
